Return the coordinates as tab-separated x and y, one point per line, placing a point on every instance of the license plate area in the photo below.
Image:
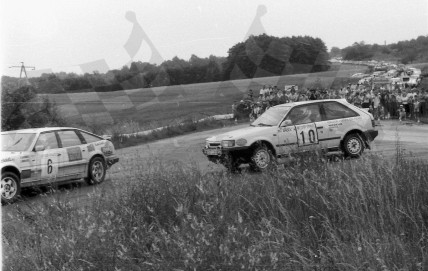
212	151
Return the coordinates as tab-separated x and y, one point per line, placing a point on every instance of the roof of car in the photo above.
37	130
309	102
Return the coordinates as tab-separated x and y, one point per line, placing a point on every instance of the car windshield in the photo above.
16	141
272	116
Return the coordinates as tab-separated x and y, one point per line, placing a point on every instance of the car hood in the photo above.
241	133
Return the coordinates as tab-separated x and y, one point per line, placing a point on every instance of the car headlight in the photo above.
227	143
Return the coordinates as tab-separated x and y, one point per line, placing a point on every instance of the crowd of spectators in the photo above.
396	102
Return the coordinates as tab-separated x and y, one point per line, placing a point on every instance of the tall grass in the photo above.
366	214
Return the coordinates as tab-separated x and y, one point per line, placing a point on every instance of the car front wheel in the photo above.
353	145
97	171
262	159
10	187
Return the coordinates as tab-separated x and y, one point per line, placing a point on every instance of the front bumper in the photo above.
219	151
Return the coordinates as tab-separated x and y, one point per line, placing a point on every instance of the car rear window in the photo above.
90	138
69	138
334	110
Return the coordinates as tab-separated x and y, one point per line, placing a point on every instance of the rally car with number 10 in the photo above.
41	156
330	125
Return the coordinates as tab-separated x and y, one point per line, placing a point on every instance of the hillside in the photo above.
165	105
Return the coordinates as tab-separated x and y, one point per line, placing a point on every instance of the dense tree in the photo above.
267	55
404	51
22	108
335	52
358	51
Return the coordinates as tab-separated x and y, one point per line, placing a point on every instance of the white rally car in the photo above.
332	125
32	157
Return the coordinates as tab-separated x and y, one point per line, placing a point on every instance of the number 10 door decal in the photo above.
307	134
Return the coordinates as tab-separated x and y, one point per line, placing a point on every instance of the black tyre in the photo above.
353	146
262	159
96	171
10	187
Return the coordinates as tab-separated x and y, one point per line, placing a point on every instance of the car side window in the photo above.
90	138
48	140
334	110
69	138
304	114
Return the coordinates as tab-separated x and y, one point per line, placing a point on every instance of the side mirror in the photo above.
39	148
286	123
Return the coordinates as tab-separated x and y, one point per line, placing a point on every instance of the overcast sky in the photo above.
67	35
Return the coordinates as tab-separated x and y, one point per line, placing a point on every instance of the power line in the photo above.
23	69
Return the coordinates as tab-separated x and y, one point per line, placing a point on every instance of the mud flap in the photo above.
366	141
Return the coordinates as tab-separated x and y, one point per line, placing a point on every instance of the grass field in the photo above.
365	214
163	105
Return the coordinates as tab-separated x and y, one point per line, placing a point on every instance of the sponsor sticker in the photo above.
74	154
8	159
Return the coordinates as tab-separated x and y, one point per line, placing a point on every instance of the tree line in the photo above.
258	56
403	51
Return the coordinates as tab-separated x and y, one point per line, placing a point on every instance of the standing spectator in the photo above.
393	105
263	91
284	98
387	105
343	93
336	95
366	99
404	97
324	95
302	96
416	108
401	113
250	94
423	99
411	112
356	100
293	96
313	95
376	106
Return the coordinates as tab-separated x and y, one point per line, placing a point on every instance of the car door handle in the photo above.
58	154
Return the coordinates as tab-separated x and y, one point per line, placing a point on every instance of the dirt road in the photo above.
413	138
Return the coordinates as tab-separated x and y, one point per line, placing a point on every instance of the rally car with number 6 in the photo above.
332	125
41	156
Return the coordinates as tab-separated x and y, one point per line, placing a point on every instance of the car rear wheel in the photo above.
262	159
97	171
353	145
10	187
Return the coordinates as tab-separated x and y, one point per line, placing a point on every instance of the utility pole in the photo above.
23	70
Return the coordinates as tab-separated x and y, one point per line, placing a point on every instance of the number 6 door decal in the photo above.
49	165
307	134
